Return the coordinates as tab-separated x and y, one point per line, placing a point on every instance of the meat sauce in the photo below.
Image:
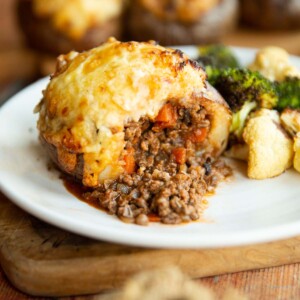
165	178
79	191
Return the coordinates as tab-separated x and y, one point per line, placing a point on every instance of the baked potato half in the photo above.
181	22
61	26
100	104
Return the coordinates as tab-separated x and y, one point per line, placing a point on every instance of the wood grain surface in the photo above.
43	260
288	40
278	283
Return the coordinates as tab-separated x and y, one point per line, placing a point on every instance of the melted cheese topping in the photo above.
179	10
93	94
74	17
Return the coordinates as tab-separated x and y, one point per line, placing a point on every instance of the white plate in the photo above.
241	212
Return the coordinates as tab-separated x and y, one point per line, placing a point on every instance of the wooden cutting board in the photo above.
43	260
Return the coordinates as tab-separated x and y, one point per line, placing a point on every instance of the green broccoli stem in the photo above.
239	118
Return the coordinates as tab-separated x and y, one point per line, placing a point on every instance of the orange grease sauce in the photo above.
78	190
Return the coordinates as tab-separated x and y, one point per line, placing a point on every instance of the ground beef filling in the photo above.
167	176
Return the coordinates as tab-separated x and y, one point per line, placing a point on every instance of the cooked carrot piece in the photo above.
153	217
129	161
166	117
198	135
179	155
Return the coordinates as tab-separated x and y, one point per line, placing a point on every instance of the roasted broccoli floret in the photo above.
217	56
239	86
244	91
288	93
213	74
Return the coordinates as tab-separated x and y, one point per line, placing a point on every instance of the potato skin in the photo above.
72	164
143	25
41	34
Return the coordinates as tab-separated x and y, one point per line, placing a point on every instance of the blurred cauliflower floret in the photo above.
270	148
273	63
290	119
297	152
168	282
238	151
164	283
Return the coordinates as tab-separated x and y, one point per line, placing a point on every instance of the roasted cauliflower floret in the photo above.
273	63
296	161
270	148
238	151
290	120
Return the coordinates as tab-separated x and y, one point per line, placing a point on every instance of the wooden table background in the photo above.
272	283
